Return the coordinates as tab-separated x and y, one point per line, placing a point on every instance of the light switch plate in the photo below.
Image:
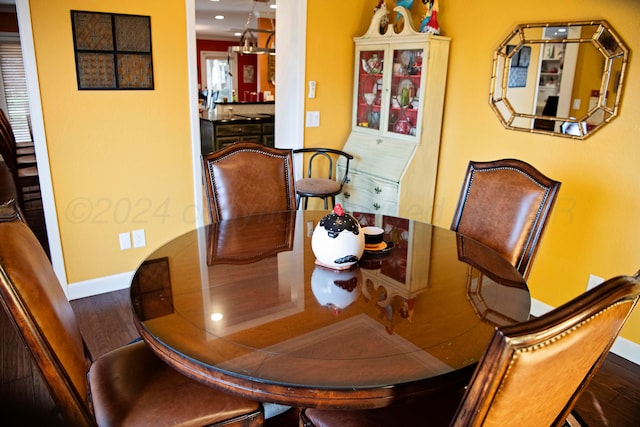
313	119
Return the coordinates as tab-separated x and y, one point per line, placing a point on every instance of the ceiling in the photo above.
236	13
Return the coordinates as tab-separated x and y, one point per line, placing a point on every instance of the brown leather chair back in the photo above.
247	179
533	373
25	175
272	235
505	204
129	385
7	142
33	298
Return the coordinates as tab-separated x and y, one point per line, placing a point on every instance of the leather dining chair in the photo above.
128	386
324	186
25	155
531	374
247	179
24	173
505	204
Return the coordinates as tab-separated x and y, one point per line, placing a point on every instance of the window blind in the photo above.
15	88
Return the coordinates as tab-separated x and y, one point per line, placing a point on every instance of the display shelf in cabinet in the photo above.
399	85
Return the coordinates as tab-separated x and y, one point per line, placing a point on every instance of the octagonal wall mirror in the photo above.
562	79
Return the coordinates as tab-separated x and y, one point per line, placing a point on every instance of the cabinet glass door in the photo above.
370	64
404	100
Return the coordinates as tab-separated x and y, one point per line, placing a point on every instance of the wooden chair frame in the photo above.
127	386
531	374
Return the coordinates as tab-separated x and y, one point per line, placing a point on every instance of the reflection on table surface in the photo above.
245	300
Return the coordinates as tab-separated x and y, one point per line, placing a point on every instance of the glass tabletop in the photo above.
243	304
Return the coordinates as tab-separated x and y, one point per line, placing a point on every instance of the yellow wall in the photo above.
120	160
113	149
594	228
264	80
588	59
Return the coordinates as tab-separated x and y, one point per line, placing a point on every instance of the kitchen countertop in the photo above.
249	117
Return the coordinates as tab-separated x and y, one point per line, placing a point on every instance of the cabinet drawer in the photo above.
235	129
369	194
268	140
267	128
372	187
357	204
228	140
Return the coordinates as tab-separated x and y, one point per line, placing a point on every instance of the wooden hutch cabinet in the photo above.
398	100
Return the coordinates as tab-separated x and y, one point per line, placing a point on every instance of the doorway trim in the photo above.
291	57
290	97
39	141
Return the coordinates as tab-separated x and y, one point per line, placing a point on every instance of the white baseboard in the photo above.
622	346
100	285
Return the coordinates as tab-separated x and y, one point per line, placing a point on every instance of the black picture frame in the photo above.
112	51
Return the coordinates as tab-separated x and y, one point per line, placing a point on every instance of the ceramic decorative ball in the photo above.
336	289
337	240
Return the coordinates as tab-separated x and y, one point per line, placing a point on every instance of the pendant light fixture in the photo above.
250	43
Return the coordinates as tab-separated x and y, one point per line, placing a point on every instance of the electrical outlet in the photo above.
139	240
125	241
594	281
576	104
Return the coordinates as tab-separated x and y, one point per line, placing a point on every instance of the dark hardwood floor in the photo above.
611	400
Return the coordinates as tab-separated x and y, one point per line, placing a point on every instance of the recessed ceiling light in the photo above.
219	17
237	34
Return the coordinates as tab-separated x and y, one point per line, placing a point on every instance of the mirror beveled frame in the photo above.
602	108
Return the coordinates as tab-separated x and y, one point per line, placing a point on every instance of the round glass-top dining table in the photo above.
242	306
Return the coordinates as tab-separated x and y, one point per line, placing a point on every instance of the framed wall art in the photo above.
519	66
248	72
112	51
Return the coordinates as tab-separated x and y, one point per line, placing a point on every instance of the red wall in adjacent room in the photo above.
222	46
